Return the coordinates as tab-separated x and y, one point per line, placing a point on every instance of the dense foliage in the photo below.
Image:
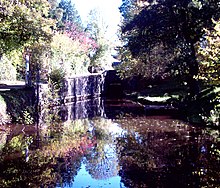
162	35
23	23
173	39
208	55
52	33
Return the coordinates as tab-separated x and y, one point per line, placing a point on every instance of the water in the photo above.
113	145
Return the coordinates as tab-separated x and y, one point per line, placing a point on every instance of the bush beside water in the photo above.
18	105
204	108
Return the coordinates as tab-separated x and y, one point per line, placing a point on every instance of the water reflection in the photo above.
128	151
167	153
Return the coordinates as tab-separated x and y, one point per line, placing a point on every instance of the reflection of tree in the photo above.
101	162
3	137
163	153
151	153
101	166
66	169
55	162
16	170
68	150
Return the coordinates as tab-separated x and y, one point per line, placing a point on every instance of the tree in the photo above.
96	28
129	9
209	55
70	14
24	26
172	27
23	23
55	12
70	50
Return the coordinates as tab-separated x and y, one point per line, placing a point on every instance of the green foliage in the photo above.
27	116
162	35
51	33
68	54
23	23
57	78
70	14
12	65
210	104
7	70
24	27
205	107
97	59
55	12
151	66
174	38
128	9
209	55
97	29
20	105
4	118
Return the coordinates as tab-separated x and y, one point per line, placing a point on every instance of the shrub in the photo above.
57	78
7	71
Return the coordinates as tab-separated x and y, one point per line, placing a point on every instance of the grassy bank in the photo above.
204	108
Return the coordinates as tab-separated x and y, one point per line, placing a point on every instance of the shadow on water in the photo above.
110	144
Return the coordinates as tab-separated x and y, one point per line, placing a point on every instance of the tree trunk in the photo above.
193	72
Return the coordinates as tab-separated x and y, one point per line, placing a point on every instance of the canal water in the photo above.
109	144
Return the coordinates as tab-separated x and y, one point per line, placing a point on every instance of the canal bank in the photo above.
22	104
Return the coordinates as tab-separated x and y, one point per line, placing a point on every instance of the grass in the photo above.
168	92
155	99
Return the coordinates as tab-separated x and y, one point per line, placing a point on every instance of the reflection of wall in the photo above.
83	109
75	110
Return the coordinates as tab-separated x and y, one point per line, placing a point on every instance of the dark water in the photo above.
113	145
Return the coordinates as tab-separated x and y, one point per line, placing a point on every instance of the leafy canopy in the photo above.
23	23
162	34
209	55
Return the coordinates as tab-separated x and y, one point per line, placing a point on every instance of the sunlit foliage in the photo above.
24	26
69	53
97	29
23	23
209	55
50	32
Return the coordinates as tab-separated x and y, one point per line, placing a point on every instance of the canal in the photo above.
109	144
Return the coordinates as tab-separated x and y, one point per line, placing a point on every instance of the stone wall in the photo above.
75	88
83	87
16	103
